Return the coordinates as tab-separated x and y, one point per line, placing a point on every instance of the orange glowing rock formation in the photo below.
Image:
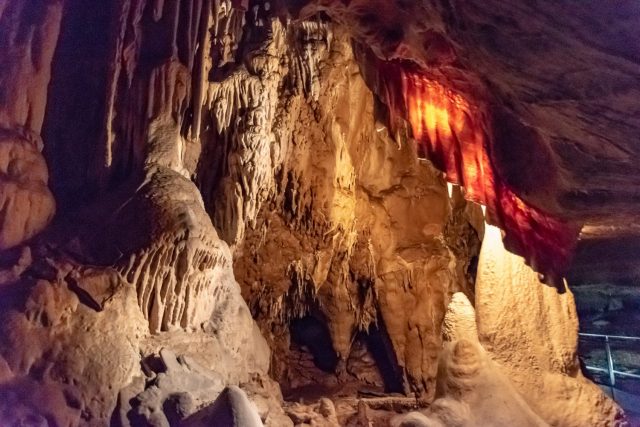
453	134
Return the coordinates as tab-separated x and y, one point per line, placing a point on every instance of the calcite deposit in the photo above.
540	359
28	41
250	212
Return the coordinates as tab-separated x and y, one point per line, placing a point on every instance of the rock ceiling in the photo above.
203	193
558	87
547	137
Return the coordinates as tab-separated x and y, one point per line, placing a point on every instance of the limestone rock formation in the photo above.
490	387
322	414
181	386
472	388
532	111
28	205
540	358
27	39
231	408
347	251
138	271
64	358
265	200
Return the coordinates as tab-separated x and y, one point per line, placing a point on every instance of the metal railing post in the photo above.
610	369
612	373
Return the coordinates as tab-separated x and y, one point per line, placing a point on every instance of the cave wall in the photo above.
111	298
226	174
356	229
540	358
27	203
195	115
293	163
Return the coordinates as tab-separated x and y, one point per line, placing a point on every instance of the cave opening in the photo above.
370	370
380	346
311	333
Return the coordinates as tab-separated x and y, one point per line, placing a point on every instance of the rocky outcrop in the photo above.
28	39
541	357
540	146
487	376
63	357
472	389
27	203
241	191
135	272
231	408
353	227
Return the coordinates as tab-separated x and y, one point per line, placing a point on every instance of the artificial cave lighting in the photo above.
336	213
455	138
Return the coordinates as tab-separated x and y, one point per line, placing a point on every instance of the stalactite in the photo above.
218	159
242	107
314	41
457	139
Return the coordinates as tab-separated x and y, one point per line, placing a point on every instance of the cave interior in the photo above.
245	213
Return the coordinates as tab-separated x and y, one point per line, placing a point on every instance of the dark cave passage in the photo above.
371	367
380	347
313	334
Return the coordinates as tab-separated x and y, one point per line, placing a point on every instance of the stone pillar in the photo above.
531	330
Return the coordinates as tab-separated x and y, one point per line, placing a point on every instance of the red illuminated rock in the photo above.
458	137
248	189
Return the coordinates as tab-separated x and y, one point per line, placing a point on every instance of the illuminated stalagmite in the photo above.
531	331
251	204
512	360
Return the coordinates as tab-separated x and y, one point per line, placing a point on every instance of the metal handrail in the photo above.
622	374
617	337
611	371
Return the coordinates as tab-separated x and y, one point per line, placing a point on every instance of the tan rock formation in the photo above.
240	201
356	230
27	203
472	389
232	408
531	330
160	278
28	36
529	373
80	354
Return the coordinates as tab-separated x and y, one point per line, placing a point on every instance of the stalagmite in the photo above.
472	389
270	213
531	330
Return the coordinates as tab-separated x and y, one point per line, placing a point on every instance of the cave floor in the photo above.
354	411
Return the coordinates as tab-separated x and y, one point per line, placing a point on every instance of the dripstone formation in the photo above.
218	212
